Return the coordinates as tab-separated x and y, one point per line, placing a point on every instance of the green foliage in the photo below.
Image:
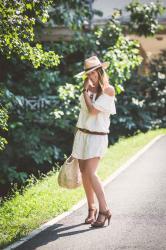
3	121
68	109
72	13
155	94
122	53
124	58
143	17
9	174
142	106
17	23
40	133
108	35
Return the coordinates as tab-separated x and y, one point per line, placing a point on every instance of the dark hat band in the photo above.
93	67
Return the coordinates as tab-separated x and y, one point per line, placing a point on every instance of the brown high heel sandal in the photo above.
99	223
91	218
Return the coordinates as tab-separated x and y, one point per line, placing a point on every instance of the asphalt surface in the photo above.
137	198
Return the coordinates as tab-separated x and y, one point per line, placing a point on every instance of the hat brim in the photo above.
104	65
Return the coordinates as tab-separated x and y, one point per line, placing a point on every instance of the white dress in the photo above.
85	145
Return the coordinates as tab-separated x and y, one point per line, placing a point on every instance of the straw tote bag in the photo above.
69	175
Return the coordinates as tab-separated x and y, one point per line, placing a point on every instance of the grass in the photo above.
43	199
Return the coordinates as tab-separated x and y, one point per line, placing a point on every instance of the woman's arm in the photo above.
88	101
89	104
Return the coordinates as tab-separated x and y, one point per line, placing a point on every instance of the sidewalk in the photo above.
137	198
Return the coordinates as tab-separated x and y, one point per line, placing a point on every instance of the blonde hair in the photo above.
103	81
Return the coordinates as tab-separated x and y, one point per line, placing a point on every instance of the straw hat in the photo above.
91	64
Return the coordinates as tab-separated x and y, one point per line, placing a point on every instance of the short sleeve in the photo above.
106	104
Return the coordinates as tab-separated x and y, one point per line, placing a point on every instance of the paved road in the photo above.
137	198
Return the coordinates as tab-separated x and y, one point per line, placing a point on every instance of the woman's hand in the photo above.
88	83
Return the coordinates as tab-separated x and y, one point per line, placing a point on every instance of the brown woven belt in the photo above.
91	132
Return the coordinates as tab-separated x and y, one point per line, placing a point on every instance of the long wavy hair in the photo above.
103	81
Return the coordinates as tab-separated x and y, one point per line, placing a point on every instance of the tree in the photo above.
17	21
144	17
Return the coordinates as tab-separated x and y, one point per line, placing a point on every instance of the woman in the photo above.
91	138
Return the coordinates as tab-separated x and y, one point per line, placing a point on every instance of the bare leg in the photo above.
87	185
90	173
